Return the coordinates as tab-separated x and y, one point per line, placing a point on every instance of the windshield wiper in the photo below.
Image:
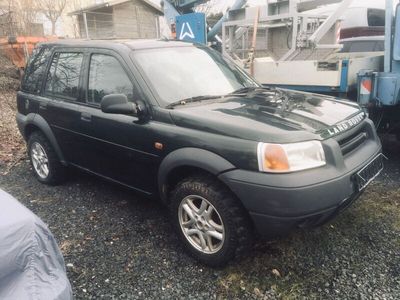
247	89
192	99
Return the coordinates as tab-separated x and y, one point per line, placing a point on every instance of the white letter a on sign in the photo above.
186	31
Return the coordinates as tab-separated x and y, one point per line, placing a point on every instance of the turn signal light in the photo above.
275	158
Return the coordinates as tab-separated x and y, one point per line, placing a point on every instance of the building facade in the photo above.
119	19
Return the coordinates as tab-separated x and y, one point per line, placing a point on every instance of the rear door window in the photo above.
362	46
33	78
63	76
346	47
107	76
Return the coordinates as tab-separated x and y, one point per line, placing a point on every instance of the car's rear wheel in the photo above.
44	161
209	220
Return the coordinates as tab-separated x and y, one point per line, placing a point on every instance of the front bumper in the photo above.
279	202
272	226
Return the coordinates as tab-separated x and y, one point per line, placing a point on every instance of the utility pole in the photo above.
388	35
86	26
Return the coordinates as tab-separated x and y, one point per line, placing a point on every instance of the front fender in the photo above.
190	157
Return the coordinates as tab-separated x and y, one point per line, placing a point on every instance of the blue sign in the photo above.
191	28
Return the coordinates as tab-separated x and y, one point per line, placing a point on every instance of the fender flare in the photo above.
190	157
39	122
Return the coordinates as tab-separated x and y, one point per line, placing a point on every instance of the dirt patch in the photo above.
9	76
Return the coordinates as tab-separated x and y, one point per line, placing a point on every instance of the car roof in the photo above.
132	44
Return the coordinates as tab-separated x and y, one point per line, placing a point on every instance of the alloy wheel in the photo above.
201	224
40	160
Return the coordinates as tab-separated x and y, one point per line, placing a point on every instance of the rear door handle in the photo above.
86	117
42	105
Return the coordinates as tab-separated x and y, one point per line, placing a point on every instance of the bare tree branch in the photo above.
24	13
52	9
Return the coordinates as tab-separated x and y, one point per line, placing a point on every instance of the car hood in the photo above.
275	115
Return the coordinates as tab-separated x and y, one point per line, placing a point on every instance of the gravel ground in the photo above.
120	246
11	142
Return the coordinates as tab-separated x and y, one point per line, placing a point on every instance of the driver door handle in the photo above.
86	117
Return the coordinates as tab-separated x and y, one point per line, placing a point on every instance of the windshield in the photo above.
179	73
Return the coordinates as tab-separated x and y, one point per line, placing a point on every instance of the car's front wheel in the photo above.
45	163
210	222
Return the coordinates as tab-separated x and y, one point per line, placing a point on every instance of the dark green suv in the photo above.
179	122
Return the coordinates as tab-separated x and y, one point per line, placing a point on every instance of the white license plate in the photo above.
369	172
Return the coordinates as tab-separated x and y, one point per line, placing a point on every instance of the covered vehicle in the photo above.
31	264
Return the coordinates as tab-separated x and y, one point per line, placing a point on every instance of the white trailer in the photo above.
283	45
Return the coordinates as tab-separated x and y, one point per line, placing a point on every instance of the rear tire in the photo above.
211	223
44	160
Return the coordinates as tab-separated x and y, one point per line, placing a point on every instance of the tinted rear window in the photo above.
34	72
376	17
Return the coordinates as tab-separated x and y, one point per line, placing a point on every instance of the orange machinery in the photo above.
17	49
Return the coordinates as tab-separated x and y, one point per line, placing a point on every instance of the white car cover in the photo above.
31	264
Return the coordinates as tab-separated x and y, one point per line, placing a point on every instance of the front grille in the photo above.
352	141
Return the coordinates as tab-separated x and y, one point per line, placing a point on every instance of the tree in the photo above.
52	9
22	13
213	18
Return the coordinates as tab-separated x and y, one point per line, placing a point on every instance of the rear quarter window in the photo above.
34	73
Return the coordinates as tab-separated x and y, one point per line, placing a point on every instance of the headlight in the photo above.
283	158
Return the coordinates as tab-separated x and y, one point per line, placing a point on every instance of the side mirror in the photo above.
118	104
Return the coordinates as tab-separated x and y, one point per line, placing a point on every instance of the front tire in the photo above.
212	225
44	160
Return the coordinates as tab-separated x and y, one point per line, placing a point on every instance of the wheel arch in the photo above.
186	161
38	123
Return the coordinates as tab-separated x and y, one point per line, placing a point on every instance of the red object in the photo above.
361	31
16	49
366	86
